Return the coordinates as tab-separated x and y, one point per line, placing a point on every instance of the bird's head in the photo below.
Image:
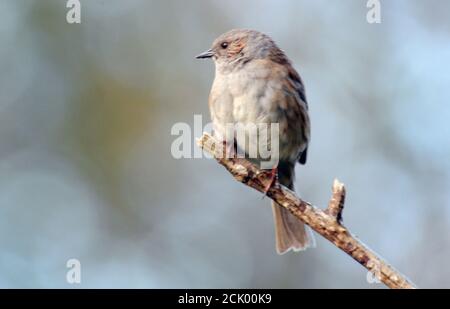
239	46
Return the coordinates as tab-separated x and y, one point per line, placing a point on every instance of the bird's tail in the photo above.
290	233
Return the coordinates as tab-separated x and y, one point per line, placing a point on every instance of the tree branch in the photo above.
327	223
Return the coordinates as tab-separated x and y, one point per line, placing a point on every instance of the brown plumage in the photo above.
255	83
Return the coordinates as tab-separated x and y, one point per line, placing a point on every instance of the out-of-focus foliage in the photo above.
86	170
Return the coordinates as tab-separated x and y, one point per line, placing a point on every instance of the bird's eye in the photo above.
224	45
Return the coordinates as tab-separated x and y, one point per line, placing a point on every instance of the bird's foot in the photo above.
273	180
230	149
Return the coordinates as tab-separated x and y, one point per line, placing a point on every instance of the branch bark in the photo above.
327	223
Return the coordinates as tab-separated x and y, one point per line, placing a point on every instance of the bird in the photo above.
256	83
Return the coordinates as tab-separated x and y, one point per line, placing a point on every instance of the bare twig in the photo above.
327	223
336	204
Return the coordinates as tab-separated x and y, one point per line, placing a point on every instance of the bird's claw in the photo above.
273	180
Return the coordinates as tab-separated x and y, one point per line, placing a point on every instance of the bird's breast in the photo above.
248	92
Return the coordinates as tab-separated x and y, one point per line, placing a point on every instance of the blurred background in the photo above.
86	169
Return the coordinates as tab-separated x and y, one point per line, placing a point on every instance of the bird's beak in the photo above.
207	54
